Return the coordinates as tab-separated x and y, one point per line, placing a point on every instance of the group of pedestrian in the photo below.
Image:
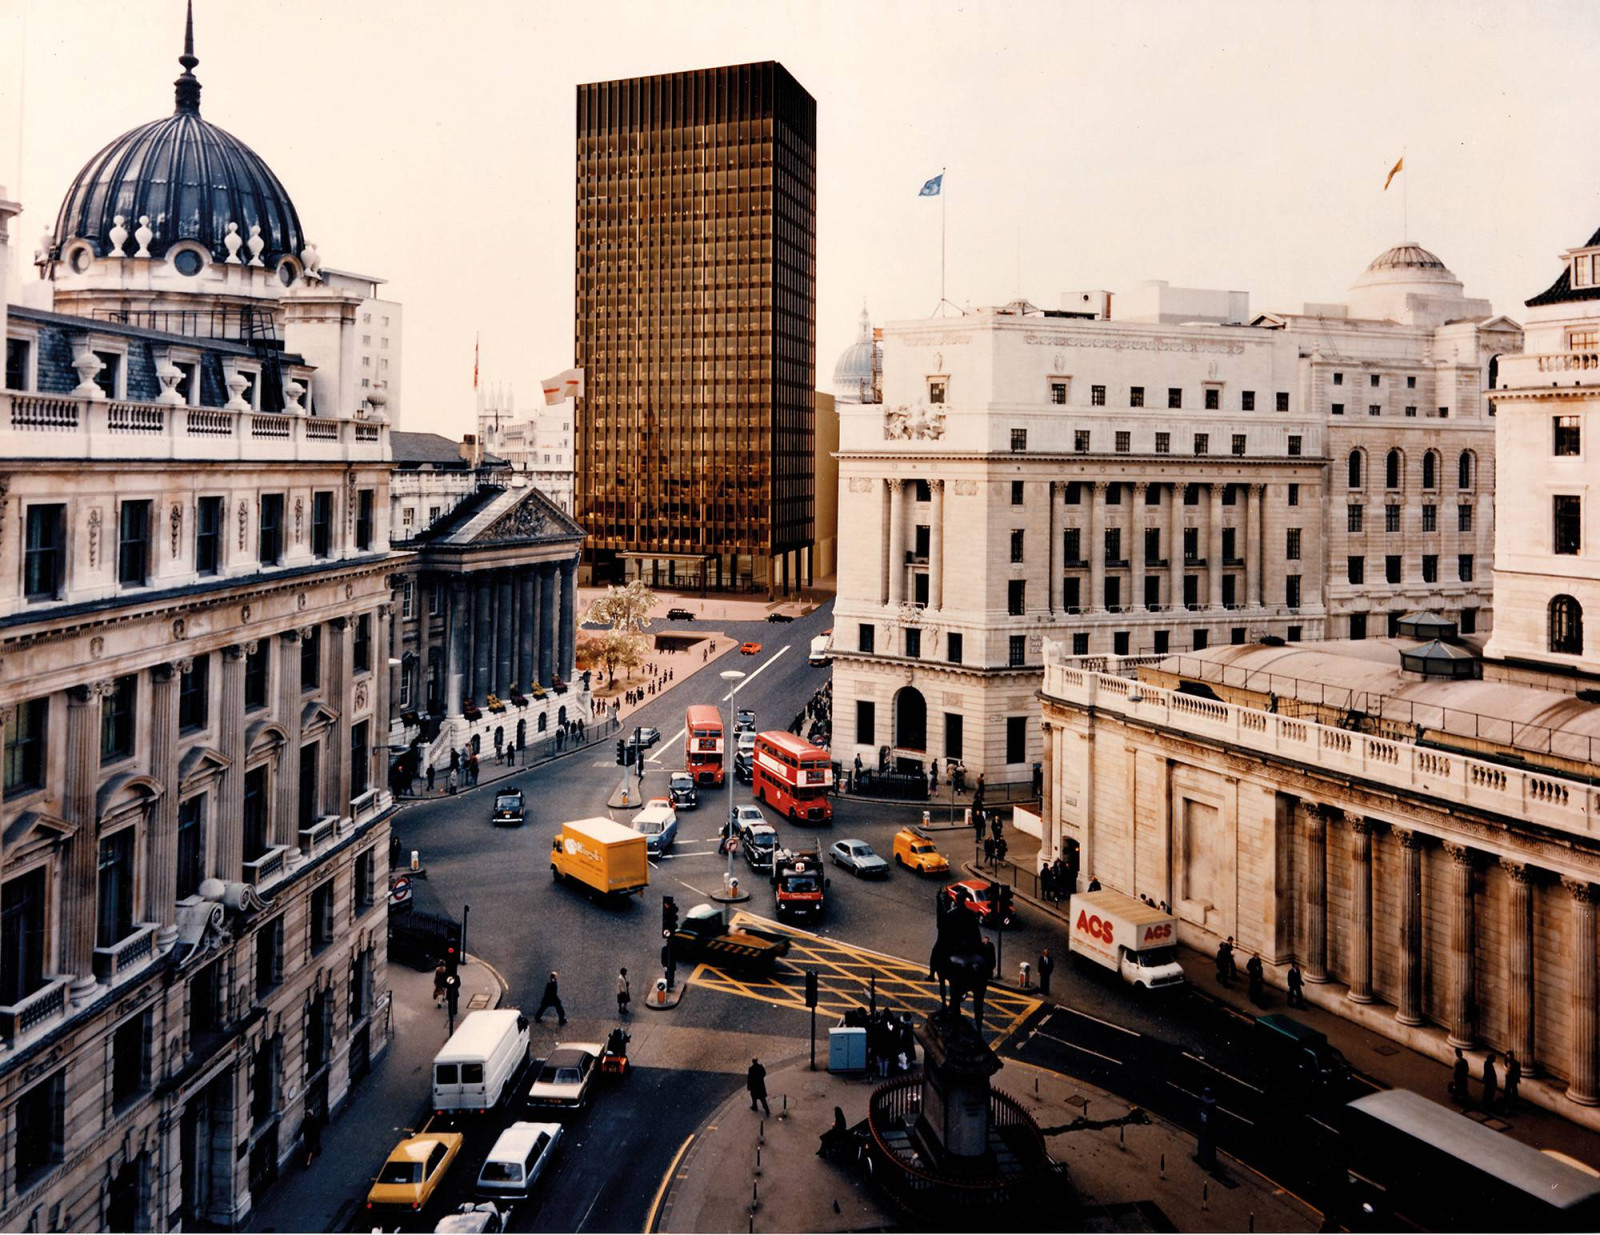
891	1046
1227	967
1058	880
1153	903
1460	1077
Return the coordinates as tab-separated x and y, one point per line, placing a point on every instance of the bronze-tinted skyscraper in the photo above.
696	327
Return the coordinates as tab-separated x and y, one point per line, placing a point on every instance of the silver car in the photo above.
856	856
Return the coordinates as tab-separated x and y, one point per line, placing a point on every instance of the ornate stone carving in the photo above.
349	591
244	613
292	635
300	600
175	520
244	523
1459	854
966	488
1580	890
299	517
1119	343
861	484
361	696
1515	871
526	521
180	628
183	664
97	647
5	490
916	423
94	538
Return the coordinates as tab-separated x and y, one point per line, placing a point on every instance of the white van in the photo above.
821	650
517	1160
1126	936
473	1070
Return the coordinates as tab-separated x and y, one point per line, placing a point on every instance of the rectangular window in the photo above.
1097	396
1469	621
1291	545
1464	567
188	386
1152	495
321	920
1202	443
1356	568
913	643
1016	651
1152	592
311	659
322	523
269	957
1463	518
194	695
952	735
1430	568
1202	640
1568	439
109	379
1294	494
866	637
1080	644
256	666
1337	409
1163	443
25	748
1430	518
1072	594
1372	379
1074	493
1016	544
1016	493
1247	400
953	648
208	535
1238	443
363	879
133	544
1411	412
1163	642
935	392
1071	546
130	1070
360	762
1444	412
1113	594
1016	739
1080	441
269	531
40	1131
1354	516
1191	546
1124	442
1391	518
364	520
1058	392
866	717
191	845
1152	546
924	492
1411	383
1230	538
1294	445
1213	399
1135	396
19	363
435	602
1391	568
1568	515
1283	400
117	719
114	906
1191	495
408	599
408	515
1291	591
1191	591
1016	597
1174	396
1113	546
1230	590
1230	495
1374	409
1338	379
361	645
44	557
1019	440
255	813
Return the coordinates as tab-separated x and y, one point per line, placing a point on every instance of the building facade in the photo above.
1139	487
695	328
194	587
538	444
379	325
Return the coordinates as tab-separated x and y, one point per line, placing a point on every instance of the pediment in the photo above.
534	518
317	715
34	826
124	792
201	761
263	735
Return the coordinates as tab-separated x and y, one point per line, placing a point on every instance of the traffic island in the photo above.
633	791
663	998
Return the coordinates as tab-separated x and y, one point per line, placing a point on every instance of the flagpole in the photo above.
1405	203
941	240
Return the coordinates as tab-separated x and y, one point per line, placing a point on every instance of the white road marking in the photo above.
1108	1024
753	676
688	853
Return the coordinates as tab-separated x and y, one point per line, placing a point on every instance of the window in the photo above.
408	514
1567	437
913	642
109	379
866	731
1074	493
1444	412
1391	518
25	750
435	602
191	845
1358	625
1201	640
1464	470
194	695
1058	392
1391	568
935	392
1356	569
1080	644
1430	471
256	667
1430	518
1097	396
1411	412
1372	379
1071	547
1113	494
865	637
321	523
114	903
1119	642
1191	495
208	536
1338	379
952	735
1291	547
255	813
1230	591
1337	409
1135	396
1019	440
1294	445
188	386
953	648
1113	594
1152	592
1463	518
1230	540
44	557
1353	518
923	493
1016	544
1568	513
1017	651
1016	597
1016	493
1291	591
1072	595
1124	442
1430	568
1247	400
40	1113
1238	444
360	762
1163	642
1566	626
1213	398
19	364
1016	739
1230	495
1080	441
408	598
1191	546
364	520
361	649
269	531
1152	545
1202	443
363	880
1283	400
133	544
1469	621
1163	443
1152	495
129	1063
433	514
321	920
1293	494
311	659
1464	567
1174	396
117	719
1374	409
1292	634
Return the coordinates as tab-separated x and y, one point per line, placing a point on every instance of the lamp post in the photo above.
729	676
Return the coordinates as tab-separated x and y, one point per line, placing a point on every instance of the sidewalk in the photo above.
380	1110
1544	1118
711	1187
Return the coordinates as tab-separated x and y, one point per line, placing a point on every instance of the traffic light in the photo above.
452	948
811	988
621	745
669	915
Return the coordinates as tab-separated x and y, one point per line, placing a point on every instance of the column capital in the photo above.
1257	488
386	609
1461	855
167	671
1581	891
90	691
1359	824
295	633
1325	811
8	713
1517	872
1141	487
937	486
895	483
341	622
1408	839
1096	487
238	651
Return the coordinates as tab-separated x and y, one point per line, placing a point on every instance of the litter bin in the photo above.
847	1049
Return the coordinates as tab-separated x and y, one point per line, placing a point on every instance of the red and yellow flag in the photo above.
1399	166
475	355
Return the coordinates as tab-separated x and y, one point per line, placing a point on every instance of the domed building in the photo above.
858	376
1409	285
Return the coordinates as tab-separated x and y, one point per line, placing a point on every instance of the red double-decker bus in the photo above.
702	745
793	777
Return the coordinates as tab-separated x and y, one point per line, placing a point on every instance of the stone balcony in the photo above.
1538	372
49	426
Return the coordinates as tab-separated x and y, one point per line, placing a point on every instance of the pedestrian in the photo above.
1047	966
977	823
552	999
472	770
450	782
438	984
1297	992
430	778
1458	1078
1047	888
988	851
455	760
1491	1083
1000	849
311	1133
755	1080
961	777
1094	886
1059	879
1513	1080
977	793
1257	973
1224	964
933	777
858	767
624	994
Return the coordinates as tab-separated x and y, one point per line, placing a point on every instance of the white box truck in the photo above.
1126	936
475	1067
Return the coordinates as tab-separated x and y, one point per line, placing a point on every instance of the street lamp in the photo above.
729	676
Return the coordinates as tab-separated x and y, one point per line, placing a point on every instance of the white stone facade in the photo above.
537	443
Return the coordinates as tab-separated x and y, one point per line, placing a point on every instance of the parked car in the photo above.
484	1218
759	842
992	904
750	649
856	856
564	1078
775	616
679	615
508	808
517	1160
680	788
411	1175
745	817
916	852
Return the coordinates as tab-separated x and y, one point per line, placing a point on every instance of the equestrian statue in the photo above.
962	959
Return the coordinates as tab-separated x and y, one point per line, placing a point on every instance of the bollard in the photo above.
1252	1224
1163	1166
1205	1194
758	1160
416	860
1036	1087
1122	1137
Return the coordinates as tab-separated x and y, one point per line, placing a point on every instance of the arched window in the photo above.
1464	470
1430	470
544	722
1391	470
1355	469
1566	626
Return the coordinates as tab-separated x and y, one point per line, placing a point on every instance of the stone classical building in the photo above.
194	601
1146	487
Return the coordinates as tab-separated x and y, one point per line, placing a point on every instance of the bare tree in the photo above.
624	609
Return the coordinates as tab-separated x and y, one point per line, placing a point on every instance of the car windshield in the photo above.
650	827
501	1172
922	848
560	1076
1156	957
761	840
401	1173
508	801
801	883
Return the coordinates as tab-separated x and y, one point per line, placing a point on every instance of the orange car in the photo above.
750	649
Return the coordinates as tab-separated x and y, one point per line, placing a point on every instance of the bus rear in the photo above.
702	745
794	777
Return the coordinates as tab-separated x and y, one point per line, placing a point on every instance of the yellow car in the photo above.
916	852
413	1172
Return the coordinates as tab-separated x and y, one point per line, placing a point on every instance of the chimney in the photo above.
471	451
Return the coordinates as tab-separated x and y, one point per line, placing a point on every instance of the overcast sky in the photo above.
1087	145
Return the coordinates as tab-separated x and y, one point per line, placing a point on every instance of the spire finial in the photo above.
188	87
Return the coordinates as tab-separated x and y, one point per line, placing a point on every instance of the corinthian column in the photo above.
227	862
161	880
1096	599
1056	568
1519	964
1360	911
897	542
1316	904
1135	597
1585	991
286	815
936	548
1252	546
78	807
1462	1023
1214	547
1175	549
1410	1010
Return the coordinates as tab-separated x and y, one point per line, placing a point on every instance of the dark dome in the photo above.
192	178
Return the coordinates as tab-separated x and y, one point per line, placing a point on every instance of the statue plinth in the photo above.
956	1068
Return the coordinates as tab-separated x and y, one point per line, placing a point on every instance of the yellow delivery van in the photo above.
606	857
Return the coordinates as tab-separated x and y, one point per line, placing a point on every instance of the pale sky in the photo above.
1086	145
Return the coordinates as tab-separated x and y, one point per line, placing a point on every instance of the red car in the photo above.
750	649
979	896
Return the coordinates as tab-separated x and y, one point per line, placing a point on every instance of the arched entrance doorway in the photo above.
910	720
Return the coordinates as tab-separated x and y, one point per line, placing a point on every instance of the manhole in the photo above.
478	1001
1077	1099
1499	1125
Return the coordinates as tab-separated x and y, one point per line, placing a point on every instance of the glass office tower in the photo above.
696	328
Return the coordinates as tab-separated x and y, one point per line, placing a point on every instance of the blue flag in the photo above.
931	189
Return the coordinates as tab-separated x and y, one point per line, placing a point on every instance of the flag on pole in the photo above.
1399	166
933	187
568	384
474	361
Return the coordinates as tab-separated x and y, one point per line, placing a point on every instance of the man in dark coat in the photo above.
552	999
755	1080
1047	966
